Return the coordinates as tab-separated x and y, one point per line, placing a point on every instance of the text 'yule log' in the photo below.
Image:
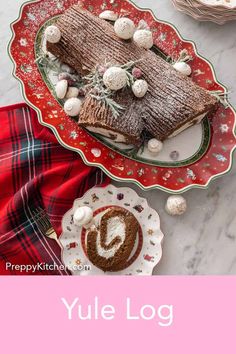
96	310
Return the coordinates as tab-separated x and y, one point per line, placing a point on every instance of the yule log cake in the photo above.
172	102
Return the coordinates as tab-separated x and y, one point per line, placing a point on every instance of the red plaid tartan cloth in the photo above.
35	172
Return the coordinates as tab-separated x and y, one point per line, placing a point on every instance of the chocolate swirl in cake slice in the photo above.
110	248
172	103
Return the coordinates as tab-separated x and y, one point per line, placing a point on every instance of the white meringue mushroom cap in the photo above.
140	88
109	15
61	88
176	205
124	28
52	34
72	106
83	216
72	92
183	68
143	38
155	146
115	78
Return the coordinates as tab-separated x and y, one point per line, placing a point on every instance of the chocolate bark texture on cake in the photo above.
172	103
110	247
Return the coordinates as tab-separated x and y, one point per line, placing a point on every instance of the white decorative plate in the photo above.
226	3
218	11
147	251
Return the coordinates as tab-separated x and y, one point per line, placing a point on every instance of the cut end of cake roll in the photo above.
174	102
110	247
97	118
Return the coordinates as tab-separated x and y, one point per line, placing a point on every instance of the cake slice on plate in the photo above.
110	247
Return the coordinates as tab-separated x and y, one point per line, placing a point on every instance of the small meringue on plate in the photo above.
154	146
72	106
61	89
183	68
73	92
83	216
109	15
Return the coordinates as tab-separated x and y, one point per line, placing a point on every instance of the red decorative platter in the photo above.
205	151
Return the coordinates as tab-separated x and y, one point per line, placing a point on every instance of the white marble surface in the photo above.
203	241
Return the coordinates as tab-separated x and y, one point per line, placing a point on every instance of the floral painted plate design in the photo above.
191	159
147	250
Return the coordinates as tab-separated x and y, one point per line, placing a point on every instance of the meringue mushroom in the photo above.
140	88
115	78
154	146
109	15
83	216
72	106
143	38
183	68
124	28
176	205
61	88
143	25
52	34
72	92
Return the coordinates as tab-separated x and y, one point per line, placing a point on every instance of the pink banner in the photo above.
118	315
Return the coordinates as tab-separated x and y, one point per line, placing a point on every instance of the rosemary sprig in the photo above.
94	79
183	57
130	79
115	107
47	63
221	97
128	66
